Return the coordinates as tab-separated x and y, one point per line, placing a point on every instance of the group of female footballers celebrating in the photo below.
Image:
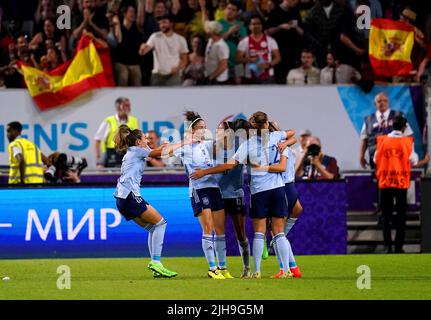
216	170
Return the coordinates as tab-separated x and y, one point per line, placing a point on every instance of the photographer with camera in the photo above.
64	168
315	165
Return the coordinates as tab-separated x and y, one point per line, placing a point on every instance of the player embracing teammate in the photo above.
268	196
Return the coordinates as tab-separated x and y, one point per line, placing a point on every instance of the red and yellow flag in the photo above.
390	47
90	68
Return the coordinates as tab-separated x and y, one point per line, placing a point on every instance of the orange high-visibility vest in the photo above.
392	162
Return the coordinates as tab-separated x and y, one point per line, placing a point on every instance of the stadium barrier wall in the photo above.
333	113
83	222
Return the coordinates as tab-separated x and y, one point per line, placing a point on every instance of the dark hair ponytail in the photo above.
193	118
126	137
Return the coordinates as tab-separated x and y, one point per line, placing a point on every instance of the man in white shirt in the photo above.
378	123
306	74
216	54
336	72
169	52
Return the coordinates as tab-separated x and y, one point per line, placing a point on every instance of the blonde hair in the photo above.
126	137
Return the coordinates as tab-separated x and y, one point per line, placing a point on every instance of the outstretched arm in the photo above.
217	169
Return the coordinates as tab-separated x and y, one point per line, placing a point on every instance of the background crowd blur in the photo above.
197	42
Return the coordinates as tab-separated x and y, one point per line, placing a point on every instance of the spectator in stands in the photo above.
353	46
127	60
338	73
53	58
233	31
419	48
194	74
284	24
45	10
17	52
153	10
25	159
259	53
306	74
104	137
50	32
376	124
92	19
322	28
216	55
315	165
169	54
188	17
424	63
153	141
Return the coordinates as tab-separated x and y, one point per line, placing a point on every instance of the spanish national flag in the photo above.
90	68
390	46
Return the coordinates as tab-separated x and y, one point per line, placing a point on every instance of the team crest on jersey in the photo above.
205	201
264	44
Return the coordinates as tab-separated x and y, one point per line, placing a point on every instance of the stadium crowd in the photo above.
195	42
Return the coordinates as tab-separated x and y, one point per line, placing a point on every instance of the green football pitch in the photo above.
405	276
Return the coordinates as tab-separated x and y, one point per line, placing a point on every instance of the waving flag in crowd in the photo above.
90	68
390	47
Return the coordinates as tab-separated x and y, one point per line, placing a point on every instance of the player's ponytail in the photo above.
192	118
126	137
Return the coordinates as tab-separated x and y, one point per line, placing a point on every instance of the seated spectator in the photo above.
127	60
92	19
338	73
233	31
259	53
194	74
153	141
315	165
284	24
322	28
306	74
169	54
50	32
216	55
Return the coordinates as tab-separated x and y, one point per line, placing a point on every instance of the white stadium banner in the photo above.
71	128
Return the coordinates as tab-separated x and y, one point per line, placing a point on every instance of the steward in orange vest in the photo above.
394	157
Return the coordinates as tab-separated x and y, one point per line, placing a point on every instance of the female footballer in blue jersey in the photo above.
294	206
231	185
205	196
129	201
268	198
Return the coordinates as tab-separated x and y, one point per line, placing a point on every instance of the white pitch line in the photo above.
5	225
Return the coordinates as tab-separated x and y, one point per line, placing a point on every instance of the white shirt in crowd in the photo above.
413	158
343	74
104	129
407	132
243	46
214	53
166	51
300	76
